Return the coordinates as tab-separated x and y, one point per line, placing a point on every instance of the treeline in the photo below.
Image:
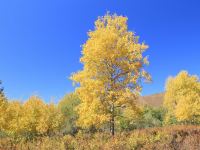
34	118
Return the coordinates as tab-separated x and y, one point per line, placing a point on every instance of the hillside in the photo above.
152	100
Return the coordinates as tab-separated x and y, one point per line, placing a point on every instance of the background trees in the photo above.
3	106
14	119
2	95
113	67
1	89
148	116
67	106
40	118
30	119
182	98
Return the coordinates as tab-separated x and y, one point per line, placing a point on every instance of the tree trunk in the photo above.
112	122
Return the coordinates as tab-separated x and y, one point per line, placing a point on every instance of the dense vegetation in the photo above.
103	112
165	138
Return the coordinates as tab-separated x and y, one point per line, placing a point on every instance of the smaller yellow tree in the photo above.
55	118
13	117
35	116
182	98
40	118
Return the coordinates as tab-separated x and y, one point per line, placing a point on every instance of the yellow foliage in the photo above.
182	97
113	65
14	118
3	106
40	118
55	118
33	117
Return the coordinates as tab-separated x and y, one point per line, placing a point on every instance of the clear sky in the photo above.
40	41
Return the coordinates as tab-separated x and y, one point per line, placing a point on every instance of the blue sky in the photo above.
40	41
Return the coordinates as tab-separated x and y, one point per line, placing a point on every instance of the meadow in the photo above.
166	138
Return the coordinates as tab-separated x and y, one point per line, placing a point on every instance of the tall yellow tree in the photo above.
182	98
113	69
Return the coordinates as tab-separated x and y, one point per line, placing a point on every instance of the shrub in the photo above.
165	138
148	117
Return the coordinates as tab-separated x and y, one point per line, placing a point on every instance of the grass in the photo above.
165	138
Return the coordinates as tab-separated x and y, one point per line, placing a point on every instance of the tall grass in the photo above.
166	138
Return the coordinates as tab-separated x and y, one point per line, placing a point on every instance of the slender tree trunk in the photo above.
112	121
113	126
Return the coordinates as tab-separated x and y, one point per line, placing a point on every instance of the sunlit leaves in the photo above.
113	68
32	117
182	97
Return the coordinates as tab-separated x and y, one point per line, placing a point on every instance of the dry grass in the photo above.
152	100
166	138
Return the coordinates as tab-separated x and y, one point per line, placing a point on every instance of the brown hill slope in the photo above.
152	100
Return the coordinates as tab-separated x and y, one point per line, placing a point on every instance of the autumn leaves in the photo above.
113	66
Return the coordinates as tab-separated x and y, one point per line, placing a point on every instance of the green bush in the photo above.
149	117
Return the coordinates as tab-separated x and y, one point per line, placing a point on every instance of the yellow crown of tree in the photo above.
182	98
113	66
